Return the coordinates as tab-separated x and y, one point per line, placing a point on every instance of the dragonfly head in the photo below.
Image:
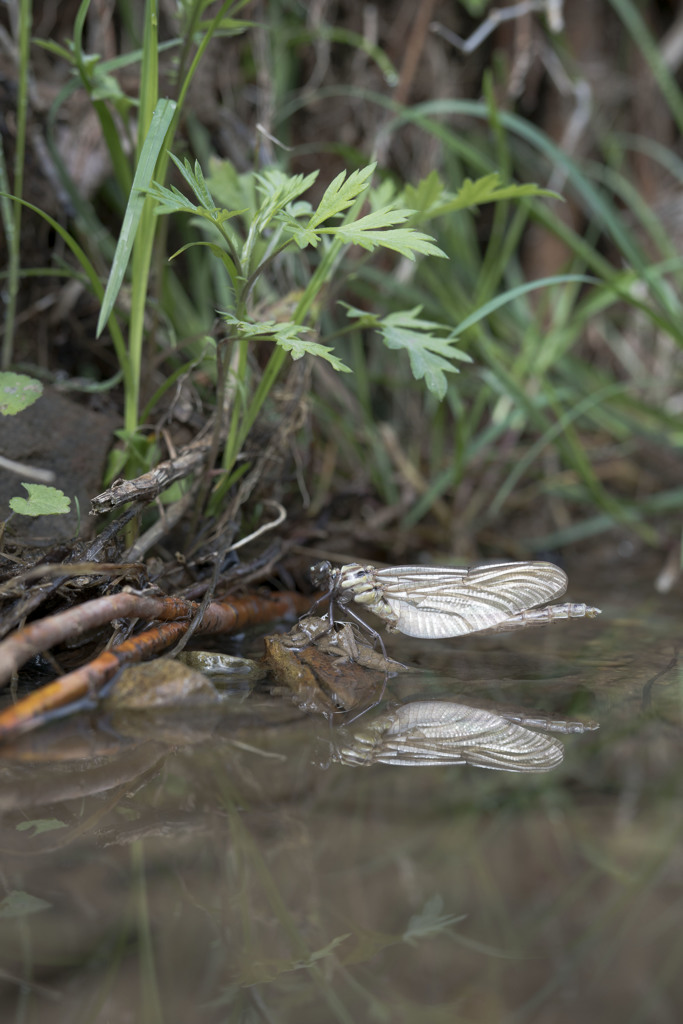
323	576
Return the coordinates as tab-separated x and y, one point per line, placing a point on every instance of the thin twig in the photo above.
151	484
282	515
41	476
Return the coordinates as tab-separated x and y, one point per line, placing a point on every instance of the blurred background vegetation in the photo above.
542	416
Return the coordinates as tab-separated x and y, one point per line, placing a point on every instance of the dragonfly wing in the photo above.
433	624
441	732
514	749
435	603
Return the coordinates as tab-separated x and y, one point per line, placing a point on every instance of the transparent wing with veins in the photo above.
443	732
436	602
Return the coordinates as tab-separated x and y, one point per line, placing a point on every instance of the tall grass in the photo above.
551	421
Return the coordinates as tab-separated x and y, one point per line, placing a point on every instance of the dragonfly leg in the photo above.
368	629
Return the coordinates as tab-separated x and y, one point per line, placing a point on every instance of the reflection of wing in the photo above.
442	732
434	602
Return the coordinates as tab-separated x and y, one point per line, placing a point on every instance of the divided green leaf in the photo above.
288	336
430	352
406	241
341	193
487	190
278	190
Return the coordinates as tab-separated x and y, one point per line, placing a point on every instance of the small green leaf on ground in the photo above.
18	904
39	825
41	501
17	392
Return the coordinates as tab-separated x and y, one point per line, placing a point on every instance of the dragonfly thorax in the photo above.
356	583
359	583
355	577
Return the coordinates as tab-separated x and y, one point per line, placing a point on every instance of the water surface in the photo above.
219	868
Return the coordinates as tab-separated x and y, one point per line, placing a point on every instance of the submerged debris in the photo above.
328	668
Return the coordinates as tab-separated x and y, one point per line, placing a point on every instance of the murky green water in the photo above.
221	872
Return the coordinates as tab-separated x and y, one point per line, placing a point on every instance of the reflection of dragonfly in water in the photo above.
434	602
430	732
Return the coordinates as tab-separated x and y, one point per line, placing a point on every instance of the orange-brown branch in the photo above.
69	625
227	616
220	616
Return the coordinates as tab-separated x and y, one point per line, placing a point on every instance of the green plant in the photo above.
17	393
152	123
532	394
539	420
266	220
253	237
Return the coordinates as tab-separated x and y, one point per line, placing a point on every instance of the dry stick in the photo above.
414	50
39	636
409	472
220	555
225	397
168	518
64	570
151	484
109	532
228	616
27	604
41	476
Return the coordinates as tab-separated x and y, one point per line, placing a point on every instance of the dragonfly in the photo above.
434	602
